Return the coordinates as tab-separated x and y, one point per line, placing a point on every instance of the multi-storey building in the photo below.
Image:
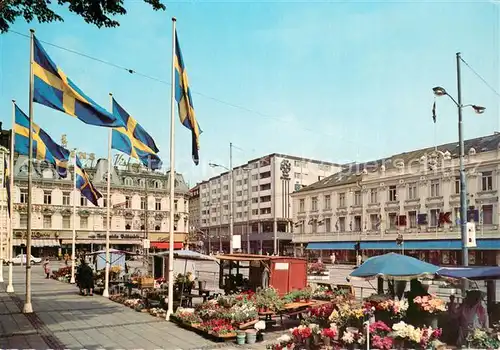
414	196
4	152
261	201
196	236
139	202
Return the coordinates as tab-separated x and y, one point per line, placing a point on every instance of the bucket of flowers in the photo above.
386	309
407	336
483	339
380	336
431	307
352	338
330	334
302	336
244	314
282	343
320	315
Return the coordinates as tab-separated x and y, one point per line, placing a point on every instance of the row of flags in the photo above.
52	88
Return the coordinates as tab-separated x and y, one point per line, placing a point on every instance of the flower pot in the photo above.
240	338
251	336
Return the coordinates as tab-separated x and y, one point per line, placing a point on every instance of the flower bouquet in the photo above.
352	338
283	342
385	309
380	336
302	335
245	313
329	334
316	268
430	304
409	337
483	339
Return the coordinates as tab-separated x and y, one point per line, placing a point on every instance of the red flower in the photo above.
382	343
329	333
379	326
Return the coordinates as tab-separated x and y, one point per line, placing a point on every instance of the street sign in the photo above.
471	235
237	242
146	244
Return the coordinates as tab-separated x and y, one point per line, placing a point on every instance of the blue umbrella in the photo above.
394	266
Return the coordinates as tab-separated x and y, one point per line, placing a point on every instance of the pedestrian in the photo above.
66	258
359	260
333	257
46	268
86	278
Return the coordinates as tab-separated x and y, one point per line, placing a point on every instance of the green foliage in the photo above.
96	12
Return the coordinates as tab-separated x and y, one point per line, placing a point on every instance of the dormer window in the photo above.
128	181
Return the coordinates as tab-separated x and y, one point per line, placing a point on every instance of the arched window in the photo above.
158	184
129	181
142	183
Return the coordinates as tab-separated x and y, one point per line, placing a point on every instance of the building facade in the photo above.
413	196
139	202
262	208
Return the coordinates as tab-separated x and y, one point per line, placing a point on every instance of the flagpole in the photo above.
28	308
73	240
10	286
105	293
170	310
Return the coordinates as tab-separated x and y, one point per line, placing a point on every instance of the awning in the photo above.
101	242
37	243
331	246
166	245
436	244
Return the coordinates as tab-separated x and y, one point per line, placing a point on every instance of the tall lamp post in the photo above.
440	91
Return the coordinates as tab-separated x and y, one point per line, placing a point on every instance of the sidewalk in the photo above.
64	320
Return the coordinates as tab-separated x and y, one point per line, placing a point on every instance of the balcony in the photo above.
394	205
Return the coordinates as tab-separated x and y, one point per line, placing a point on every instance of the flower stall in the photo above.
317	271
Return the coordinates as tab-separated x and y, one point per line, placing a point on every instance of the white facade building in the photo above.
133	204
261	200
415	195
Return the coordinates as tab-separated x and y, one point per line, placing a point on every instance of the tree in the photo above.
96	12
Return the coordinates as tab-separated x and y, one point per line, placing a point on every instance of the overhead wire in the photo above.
480	77
159	80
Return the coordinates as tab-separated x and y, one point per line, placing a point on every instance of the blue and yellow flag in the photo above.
84	184
44	148
185	101
6	180
133	140
55	90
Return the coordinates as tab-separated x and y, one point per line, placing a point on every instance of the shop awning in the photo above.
37	243
437	244
331	246
166	245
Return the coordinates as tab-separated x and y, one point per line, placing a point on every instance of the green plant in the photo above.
268	298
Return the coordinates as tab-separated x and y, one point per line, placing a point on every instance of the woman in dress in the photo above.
472	314
46	268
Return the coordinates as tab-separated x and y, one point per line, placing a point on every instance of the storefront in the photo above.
438	252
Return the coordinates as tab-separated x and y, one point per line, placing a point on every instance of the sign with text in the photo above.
237	242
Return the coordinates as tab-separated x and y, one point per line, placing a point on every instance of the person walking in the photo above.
86	278
46	268
333	258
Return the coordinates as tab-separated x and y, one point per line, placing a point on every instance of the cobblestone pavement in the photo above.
64	320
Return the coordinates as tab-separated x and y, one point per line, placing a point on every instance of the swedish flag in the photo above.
44	148
55	90
185	101
84	184
133	140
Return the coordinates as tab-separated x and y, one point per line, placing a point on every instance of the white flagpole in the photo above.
105	293
10	286
73	240
170	309
28	307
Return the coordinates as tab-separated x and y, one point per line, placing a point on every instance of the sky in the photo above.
336	81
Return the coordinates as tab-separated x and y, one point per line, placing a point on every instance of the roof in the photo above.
353	172
253	257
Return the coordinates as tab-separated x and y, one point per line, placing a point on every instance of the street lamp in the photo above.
440	91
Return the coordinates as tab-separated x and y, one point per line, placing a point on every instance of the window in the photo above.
328	204
393	219
265	199
104	200
225	197
142	183
434	217
265	187
456	212
314	224
373	196
239	193
128	202
23	220
314	203
297	175
487	214
143	203
393	196
255	211
302	206
265	175
238	183
374	222
66	196
225	187
129	181
342	224
328	225
412	191
83	201
47	197
457	184
357	223
128	225
435	188
487	181
341	200
158	204
158	184
105	223
175	204
84	222
357	198
23	196
255	177
265	210
66	221
255	188
255	200
47	221
412	217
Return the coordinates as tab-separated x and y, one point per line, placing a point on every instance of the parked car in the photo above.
22	258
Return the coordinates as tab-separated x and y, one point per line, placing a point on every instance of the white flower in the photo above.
285	338
348	337
315	328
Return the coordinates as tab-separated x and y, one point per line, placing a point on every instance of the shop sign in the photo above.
34	234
